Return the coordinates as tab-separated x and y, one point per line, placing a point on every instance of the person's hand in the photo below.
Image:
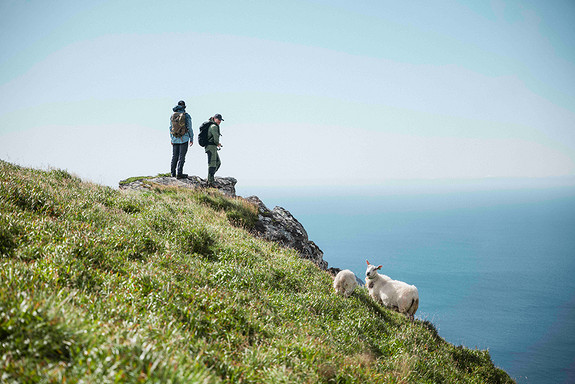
191	143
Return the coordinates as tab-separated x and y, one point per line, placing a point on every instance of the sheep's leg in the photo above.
412	308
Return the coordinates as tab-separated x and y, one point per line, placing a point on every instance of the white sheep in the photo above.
344	282
396	295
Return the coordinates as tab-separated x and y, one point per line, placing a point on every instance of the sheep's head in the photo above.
371	270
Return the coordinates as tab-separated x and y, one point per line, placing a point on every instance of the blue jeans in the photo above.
179	152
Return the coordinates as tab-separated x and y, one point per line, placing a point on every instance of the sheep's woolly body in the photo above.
344	282
394	294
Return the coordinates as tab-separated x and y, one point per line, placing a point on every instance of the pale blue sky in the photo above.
312	92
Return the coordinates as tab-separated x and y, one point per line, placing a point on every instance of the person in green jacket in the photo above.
213	147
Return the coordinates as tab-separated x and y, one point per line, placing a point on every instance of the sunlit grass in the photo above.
105	286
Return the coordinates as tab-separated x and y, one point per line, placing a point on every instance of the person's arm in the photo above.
215	134
190	130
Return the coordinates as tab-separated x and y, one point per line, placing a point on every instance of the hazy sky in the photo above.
312	92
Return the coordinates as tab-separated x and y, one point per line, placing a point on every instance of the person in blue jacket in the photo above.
180	144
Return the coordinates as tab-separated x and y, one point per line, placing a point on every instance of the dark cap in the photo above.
218	116
182	103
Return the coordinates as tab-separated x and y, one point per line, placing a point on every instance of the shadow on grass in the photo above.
376	308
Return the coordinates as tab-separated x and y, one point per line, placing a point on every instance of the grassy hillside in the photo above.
103	286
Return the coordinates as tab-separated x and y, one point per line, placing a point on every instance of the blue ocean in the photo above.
494	265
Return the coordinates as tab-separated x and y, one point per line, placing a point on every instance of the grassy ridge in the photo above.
103	286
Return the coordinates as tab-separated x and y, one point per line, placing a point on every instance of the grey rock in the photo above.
280	226
226	185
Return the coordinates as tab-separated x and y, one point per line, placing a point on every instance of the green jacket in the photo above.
214	134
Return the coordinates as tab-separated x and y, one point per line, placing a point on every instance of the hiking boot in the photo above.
182	176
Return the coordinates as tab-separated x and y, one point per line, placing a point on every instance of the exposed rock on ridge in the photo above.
280	226
276	225
226	185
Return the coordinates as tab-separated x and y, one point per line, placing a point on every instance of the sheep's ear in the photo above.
381	266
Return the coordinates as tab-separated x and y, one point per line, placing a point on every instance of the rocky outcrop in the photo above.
226	185
280	226
276	225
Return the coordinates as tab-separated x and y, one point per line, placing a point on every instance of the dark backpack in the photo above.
178	120
203	135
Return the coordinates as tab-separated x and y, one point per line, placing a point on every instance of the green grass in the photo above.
141	178
105	286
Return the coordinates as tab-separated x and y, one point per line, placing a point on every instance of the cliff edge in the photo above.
101	285
277	225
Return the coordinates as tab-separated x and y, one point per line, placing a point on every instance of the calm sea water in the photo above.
494	268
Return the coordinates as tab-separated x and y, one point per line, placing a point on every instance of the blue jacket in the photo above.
189	135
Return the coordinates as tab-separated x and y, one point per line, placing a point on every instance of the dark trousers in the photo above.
214	162
179	152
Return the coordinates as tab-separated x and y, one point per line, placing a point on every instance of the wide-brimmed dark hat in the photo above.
218	116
